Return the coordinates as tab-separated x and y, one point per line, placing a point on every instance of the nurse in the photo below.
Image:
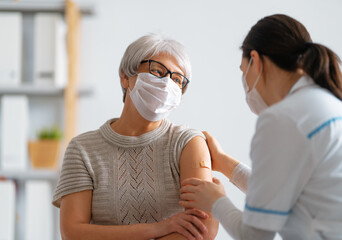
295	184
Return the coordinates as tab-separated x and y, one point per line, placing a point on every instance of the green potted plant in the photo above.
44	152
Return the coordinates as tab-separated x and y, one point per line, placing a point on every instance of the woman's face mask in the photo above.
153	97
253	98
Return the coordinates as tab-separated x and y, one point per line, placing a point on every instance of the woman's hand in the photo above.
200	194
185	223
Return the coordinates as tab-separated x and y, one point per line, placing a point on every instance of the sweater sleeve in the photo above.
182	136
231	219
240	176
74	176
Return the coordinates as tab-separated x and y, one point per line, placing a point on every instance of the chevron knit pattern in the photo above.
137	187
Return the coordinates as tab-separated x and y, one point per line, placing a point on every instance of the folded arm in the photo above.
76	215
75	218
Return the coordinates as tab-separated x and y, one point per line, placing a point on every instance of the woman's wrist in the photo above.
160	229
219	162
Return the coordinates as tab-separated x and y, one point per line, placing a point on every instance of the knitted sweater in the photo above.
133	179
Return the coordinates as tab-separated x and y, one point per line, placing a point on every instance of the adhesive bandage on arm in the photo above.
203	164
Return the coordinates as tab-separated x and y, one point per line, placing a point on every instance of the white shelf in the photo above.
32	90
31	174
87	8
28	9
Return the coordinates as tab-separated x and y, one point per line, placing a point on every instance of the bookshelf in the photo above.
66	96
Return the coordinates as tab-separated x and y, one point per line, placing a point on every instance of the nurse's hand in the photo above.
216	152
200	194
220	161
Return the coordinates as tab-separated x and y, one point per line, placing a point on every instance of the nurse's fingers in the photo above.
187	196
207	135
192	181
188	188
187	204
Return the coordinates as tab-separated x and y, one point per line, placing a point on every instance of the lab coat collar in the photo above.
302	82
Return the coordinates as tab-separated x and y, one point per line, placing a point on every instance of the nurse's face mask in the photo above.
253	98
153	97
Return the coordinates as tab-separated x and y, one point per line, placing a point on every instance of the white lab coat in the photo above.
295	187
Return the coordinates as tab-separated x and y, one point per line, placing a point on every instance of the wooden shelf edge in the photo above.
31	174
86	8
43	90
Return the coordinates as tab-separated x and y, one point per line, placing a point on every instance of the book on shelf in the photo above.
14	132
7	210
10	48
50	50
38	210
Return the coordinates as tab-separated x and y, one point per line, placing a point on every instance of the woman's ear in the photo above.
257	61
124	80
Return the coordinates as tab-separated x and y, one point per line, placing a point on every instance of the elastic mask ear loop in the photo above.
128	91
245	76
257	80
249	65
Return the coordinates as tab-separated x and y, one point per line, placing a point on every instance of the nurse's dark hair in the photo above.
288	44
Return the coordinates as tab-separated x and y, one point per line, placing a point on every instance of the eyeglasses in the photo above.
159	70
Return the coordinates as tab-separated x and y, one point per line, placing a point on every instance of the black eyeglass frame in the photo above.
168	71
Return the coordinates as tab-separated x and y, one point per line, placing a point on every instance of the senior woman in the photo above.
122	181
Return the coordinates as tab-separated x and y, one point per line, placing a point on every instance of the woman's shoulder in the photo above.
89	138
184	131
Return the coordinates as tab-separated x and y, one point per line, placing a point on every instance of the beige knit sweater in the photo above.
133	179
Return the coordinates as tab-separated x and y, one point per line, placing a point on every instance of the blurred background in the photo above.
48	89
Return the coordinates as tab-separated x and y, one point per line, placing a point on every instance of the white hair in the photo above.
148	46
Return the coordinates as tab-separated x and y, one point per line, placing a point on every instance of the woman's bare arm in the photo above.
195	162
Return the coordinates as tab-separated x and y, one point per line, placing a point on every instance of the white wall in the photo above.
212	31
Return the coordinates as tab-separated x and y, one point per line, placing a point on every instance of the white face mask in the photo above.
154	97
253	98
